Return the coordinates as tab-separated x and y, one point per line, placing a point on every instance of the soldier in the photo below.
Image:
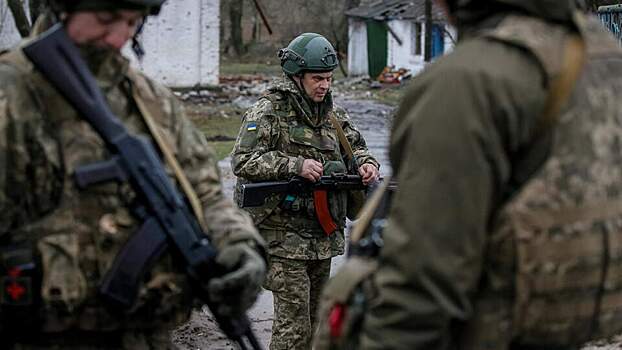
288	133
68	238
505	231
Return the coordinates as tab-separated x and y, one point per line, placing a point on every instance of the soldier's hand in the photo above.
236	291
369	173
311	170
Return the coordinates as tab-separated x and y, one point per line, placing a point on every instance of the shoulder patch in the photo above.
252	126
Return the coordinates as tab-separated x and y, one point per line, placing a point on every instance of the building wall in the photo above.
357	48
402	56
182	43
9	36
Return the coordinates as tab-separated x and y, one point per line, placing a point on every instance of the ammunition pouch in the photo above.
553	279
568	286
20	277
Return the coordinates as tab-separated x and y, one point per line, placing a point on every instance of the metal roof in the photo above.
384	10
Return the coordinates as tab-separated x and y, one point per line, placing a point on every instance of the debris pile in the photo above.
390	75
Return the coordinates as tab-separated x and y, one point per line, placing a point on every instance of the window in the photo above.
416	39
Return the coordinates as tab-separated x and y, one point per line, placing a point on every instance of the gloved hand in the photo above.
236	291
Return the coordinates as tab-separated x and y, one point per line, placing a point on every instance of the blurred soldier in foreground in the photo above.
58	242
292	132
506	231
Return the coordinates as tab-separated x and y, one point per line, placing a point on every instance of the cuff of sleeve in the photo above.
372	162
295	165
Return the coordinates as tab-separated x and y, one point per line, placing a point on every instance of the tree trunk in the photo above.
235	16
19	15
256	27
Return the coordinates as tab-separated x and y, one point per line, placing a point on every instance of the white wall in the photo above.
9	35
182	43
357	48
449	38
402	56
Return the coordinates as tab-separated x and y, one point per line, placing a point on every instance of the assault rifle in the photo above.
167	221
257	193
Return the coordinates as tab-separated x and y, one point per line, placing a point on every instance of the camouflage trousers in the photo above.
159	339
296	286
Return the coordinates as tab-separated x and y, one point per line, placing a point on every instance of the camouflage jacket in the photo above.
78	233
277	134
490	204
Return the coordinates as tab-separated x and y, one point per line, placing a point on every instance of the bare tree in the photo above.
235	16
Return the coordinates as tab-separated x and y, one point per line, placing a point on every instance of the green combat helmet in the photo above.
151	6
308	52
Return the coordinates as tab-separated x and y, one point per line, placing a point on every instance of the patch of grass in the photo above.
221	133
222	148
219	124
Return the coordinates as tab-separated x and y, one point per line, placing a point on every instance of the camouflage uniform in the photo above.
78	233
277	134
456	264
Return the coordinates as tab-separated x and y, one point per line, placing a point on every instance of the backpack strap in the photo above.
343	140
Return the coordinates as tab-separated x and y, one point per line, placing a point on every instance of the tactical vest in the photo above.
76	234
553	271
297	138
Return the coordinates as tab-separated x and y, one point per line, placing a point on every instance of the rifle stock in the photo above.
169	224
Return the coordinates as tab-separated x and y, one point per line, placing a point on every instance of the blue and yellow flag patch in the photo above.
251	127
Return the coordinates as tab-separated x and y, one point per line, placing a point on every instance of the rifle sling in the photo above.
342	138
170	159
